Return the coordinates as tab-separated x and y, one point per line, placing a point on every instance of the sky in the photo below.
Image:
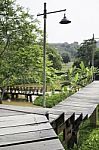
83	14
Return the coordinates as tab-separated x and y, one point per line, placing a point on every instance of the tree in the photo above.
85	53
66	57
77	77
20	48
96	58
21	51
55	58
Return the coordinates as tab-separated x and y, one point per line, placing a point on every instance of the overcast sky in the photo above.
84	16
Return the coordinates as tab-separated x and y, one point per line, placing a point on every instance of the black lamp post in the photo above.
63	21
93	56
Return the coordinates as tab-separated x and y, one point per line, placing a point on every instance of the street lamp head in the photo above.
65	20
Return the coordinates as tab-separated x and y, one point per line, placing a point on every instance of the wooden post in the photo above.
27	97
16	95
12	96
94	118
31	98
67	132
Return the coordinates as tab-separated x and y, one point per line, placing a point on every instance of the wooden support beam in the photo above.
94	118
56	123
30	98
67	133
12	96
17	96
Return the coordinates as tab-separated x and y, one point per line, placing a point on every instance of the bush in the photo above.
51	100
89	138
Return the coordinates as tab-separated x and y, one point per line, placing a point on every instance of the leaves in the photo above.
78	77
20	58
21	51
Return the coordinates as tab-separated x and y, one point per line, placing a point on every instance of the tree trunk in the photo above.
2	94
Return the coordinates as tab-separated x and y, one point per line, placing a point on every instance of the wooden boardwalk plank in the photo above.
9	113
26	129
21	129
83	99
27	137
32	110
21	120
53	144
78	104
25	117
77	112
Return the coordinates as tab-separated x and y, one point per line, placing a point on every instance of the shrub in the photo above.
51	100
89	138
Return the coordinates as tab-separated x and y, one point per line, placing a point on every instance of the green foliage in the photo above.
66	57
89	138
55	58
19	55
96	58
76	78
51	100
70	49
85	53
21	50
92	142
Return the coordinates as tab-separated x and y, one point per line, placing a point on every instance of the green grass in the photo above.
88	136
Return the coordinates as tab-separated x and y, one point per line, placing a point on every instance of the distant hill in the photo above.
71	49
65	47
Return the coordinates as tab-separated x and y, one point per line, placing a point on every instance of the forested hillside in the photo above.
70	49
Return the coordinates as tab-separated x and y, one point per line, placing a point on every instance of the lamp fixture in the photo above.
64	20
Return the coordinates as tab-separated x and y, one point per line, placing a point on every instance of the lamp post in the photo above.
93	56
63	21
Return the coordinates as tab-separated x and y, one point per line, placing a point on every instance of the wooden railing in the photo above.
15	91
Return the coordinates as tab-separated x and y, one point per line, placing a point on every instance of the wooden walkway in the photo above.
76	108
23	127
84	104
28	92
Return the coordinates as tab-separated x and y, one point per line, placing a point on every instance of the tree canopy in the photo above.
66	57
85	52
19	38
55	58
21	50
